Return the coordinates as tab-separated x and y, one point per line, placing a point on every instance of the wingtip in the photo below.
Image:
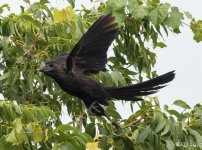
112	18
172	73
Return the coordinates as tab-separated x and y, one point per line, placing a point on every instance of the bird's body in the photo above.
84	88
89	55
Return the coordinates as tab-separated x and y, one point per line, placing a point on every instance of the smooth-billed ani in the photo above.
89	55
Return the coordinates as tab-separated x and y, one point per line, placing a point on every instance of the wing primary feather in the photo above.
90	53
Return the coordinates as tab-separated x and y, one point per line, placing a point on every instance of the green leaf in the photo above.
4	6
173	112
117	8
167	127
80	25
144	134
42	2
18	109
4	145
196	135
69	145
175	18
197	30
137	10
115	4
159	14
82	138
66	127
182	104
90	129
72	3
160	44
198	113
170	145
37	114
92	146
64	14
27	1
135	134
160	125
131	4
30	19
17	135
4	76
37	133
66	141
188	15
120	16
7	111
30	80
115	77
112	112
7	27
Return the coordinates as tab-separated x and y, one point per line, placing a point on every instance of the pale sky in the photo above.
182	54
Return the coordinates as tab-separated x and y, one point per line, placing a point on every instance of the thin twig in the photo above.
133	123
37	35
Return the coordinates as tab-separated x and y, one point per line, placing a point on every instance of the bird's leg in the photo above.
113	122
97	109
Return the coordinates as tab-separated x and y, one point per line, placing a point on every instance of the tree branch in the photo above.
133	123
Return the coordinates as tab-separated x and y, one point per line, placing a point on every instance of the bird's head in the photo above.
55	66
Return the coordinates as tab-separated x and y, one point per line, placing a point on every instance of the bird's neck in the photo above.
62	79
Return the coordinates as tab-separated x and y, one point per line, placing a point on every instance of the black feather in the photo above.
141	89
89	55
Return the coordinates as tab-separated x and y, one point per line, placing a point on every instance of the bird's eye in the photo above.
51	65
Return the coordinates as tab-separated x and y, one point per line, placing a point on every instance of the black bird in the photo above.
89	55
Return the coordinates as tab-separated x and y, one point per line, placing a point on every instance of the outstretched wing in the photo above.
89	55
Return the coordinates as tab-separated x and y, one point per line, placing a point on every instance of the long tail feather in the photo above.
141	89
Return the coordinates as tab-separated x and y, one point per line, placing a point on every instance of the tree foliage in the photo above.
33	104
